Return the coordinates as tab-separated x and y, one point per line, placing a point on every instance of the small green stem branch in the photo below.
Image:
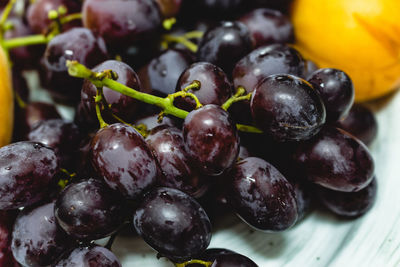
184	264
180	39
248	128
238	96
184	93
25	41
63	182
169	23
194	34
7	11
98	100
166	104
38	39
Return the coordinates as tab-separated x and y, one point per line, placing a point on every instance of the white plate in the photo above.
321	239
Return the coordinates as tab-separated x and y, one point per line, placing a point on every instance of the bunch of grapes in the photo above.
187	108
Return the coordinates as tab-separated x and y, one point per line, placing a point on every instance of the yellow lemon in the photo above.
6	101
359	37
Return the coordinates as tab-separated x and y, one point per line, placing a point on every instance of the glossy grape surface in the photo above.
122	22
225	45
167	144
121	156
62	136
26	170
123	106
7	219
89	210
151	121
233	260
36	239
223	257
268	26
265	61
90	257
261	195
160	75
335	160
215	87
173	223
361	123
76	44
336	90
211	139
348	204
37	14
287	108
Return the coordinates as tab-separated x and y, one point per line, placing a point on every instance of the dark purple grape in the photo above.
215	88
84	167
151	121
78	44
90	257
36	239
336	160
26	170
160	75
37	14
211	139
62	136
282	5
225	45
121	105
303	197
220	5
233	260
261	195
287	108
24	57
210	255
265	61
7	219
169	8
121	156
361	123
348	204
120	22
268	26
26	118
310	67
194	10
173	223
168	147
89	210
336	90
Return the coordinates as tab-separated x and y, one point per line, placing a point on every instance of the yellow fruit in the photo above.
360	37
6	101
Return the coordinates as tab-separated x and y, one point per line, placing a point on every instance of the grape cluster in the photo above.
221	113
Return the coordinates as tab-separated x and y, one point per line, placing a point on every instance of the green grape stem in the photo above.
238	96
184	264
38	39
181	39
166	104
